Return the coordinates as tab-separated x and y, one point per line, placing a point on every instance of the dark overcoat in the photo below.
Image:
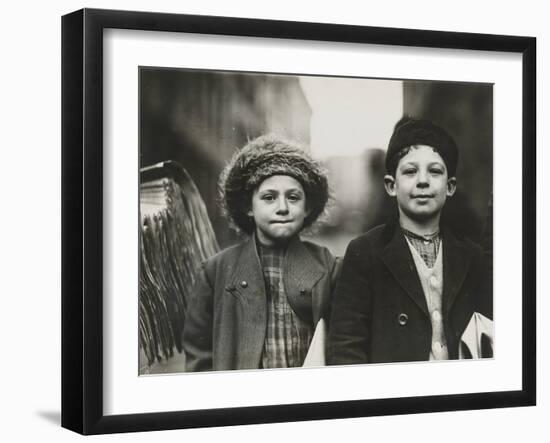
226	321
379	311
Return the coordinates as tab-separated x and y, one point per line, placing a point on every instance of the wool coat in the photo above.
379	310
226	321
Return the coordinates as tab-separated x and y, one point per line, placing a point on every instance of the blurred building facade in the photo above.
360	202
465	110
201	118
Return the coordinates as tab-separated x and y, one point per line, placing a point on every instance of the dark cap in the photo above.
409	131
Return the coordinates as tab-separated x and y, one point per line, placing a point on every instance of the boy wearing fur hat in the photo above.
256	304
409	289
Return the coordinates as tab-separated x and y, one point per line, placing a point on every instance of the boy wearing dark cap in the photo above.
408	289
257	304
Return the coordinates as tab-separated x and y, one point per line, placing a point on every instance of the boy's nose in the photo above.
422	184
283	206
422	180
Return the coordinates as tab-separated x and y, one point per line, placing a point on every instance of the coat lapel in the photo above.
247	285
456	262
248	274
398	259
301	272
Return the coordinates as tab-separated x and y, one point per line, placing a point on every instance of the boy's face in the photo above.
278	209
421	184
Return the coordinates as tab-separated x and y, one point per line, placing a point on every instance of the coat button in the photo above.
402	319
244	284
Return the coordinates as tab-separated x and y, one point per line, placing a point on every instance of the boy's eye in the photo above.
436	171
294	197
409	171
268	197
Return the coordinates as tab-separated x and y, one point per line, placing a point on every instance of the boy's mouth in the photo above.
282	222
423	196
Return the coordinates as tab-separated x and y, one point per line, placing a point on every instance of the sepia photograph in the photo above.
290	221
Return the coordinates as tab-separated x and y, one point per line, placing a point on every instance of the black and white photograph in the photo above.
274	222
292	221
288	221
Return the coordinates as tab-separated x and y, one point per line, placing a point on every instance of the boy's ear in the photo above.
451	186
389	184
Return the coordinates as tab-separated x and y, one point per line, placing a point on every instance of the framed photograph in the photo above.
270	221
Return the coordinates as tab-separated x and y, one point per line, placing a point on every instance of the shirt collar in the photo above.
428	237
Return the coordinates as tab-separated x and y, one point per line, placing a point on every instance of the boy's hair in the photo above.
409	132
260	159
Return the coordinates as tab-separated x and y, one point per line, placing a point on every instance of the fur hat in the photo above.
409	131
260	159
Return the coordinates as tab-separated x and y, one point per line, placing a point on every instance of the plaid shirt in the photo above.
427	246
287	336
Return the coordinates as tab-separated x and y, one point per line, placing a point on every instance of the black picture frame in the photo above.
82	218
